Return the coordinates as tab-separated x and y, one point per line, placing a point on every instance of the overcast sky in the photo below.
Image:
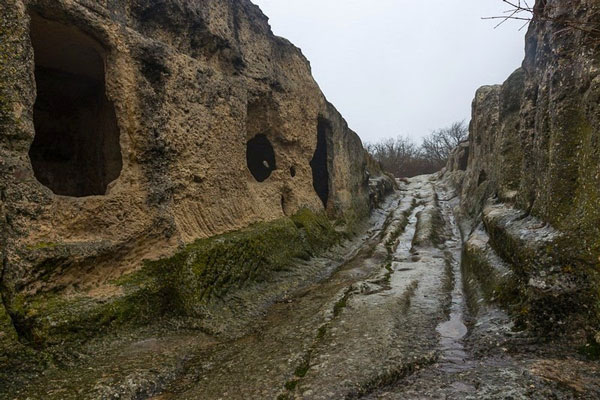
400	67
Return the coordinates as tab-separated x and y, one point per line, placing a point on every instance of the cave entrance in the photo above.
482	177
319	163
463	161
76	150
260	157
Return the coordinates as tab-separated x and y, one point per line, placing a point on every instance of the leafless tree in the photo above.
437	147
395	155
403	158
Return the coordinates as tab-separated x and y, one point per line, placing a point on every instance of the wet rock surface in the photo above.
532	180
131	129
397	316
225	180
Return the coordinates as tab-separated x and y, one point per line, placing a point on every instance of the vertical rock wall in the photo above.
533	175
169	97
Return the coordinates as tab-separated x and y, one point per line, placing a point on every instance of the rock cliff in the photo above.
530	192
131	129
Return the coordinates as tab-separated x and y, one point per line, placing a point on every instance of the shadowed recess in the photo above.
318	164
76	150
482	177
463	162
260	157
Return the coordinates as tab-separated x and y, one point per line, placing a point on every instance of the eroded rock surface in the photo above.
230	158
532	185
393	316
130	129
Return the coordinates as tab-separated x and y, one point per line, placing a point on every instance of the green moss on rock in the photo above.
591	349
205	270
15	358
8	336
210	268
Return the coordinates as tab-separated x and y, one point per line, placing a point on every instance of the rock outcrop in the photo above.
131	129
531	189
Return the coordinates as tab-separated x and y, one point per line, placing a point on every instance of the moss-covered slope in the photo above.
184	284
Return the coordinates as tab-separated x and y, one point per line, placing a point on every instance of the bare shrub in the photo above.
403	158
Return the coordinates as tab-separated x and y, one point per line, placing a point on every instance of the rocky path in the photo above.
396	319
392	323
371	321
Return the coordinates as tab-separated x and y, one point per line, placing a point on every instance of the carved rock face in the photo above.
76	150
260	157
535	146
130	128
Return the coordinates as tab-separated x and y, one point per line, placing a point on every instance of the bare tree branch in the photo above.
404	158
521	10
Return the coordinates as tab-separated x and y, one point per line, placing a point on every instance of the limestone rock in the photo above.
132	128
534	151
534	148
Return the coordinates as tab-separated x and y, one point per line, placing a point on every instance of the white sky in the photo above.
400	67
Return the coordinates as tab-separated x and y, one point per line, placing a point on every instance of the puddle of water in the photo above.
454	357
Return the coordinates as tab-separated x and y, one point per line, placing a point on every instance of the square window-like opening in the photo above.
76	150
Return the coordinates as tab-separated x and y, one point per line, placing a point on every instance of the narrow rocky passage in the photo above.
392	310
184	214
395	319
393	322
301	338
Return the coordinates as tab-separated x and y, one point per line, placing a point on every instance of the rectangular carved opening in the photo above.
76	150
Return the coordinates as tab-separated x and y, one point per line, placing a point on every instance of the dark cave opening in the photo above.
319	163
482	177
260	157
463	161
76	150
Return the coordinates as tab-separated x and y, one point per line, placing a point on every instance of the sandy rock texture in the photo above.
532	183
129	129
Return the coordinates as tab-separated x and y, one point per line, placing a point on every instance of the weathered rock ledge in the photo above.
530	191
170	130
